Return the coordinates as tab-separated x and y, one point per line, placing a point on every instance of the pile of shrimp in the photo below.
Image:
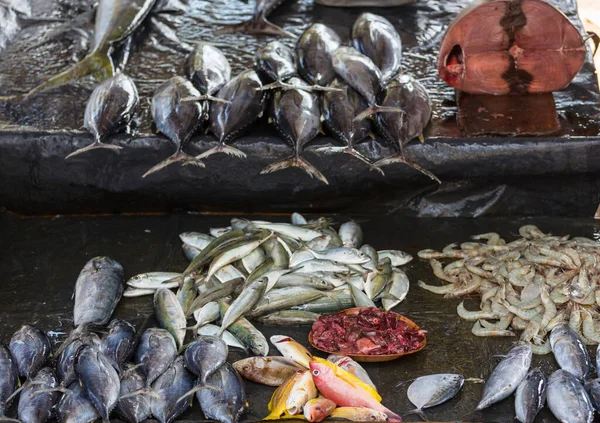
531	284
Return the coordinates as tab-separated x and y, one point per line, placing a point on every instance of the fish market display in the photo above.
109	110
532	284
567	398
30	349
271	371
530	396
429	391
37	399
208	70
535	48
314	49
120	342
368	331
169	387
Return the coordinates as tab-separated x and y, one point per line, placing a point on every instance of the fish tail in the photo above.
95	145
98	62
298	162
377	109
403	159
418	412
258	25
223	148
179	156
353	152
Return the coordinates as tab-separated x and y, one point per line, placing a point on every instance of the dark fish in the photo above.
35	406
97	291
208	69
375	37
170	386
567	398
120	342
570	351
339	111
296	116
259	23
530	396
593	389
223	398
314	49
229	120
65	369
155	352
99	379
115	21
205	355
30	347
75	407
135	408
359	72
9	378
109	110
178	120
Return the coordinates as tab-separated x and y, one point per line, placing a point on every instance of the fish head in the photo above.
248	365
322	371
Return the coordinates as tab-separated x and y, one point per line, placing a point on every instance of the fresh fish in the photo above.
398	258
259	24
278	402
373	255
115	21
153	280
137	407
567	398
359	414
178	120
97	291
318	409
570	351
431	390
303	391
396	291
228	273
169	387
303	279
217	232
189	252
252	338
38	397
598	360
375	37
298	219
65	367
318	265
30	348
169	314
205	355
229	120
271	371
292	350
227	337
530	396
314	49
284	298
336	301
253	260
208	69
277	62
131	292
377	280
9	380
98	378
277	252
207	314
320	243
234	254
155	352
288	318
186	294
592	387
214	294
75	407
360	298
109	110
196	239
288	230
506	376
351	366
249	297
359	72
342	255
223	398
120	342
296	116
345	389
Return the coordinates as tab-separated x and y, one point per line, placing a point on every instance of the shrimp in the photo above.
541	349
553	280
501	324
478	271
524	314
469	288
474	315
532	329
562	257
558	295
443	289
573	255
453	267
589	329
532	255
478	330
518	323
492	238
489	294
438	271
531	232
549	308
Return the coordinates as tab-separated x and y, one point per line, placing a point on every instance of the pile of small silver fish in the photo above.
271	273
532	284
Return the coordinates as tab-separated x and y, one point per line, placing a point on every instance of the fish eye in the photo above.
318	408
246	367
316	372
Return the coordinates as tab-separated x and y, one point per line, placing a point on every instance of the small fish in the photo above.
109	110
284	298
189	252
248	298
153	280
318	265
259	24
290	231
38	397
223	398
360	298
217	232
218	292
135	408
178	120
569	351
352	367
396	291
530	396
431	390
98	378
252	338
227	337
155	352
208	69
292	350
65	369
75	407
373	255
314	49
398	258
236	253
288	318
131	292
30	348
298	219
186	294
318	409
9	380
277	404
196	239
276	251
97	291
120	342
343	255
205	355
567	398
303	279
506	376
253	260
376	281
169	387
271	371
303	391
336	301
592	387
359	414
169	314
207	314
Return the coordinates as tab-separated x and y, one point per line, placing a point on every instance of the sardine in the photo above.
506	376
296	116
351	234
271	371
292	350
153	280
135	408
353	367
38	397
75	406
97	291
109	110
9	380
208	69
30	348
570	351
205	355
169	387
169	314
196	239
226	336
155	352
223	398
318	409
259	24
249	297
398	258
252	338
431	390
288	318
178	120
375	37
65	368
530	396
314	49
283	298
567	398
120	342
317	265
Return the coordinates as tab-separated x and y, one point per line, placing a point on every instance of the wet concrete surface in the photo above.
41	258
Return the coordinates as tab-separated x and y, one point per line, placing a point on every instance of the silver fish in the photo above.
38	397
288	318
288	230
186	294
252	338
396	291
206	314
135	408
131	292
359	72
303	279
205	355
97	291
283	298
506	376
314	49
226	336
208	69
570	351
10	378
336	301
567	398
318	265
169	387
75	407
169	314
298	219
30	348
353	367
217	232
153	280
431	390
360	298
248	298
398	258
344	255
253	260
593	389
223	398
155	352
530	396
120	342
190	252
196	239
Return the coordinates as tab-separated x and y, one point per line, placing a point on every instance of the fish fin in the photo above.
325	89
142	391
93	146
205	97
403	159
256	26
223	148
377	109
421	139
97	62
275	85
194	390
57	389
404	382
353	152
14	394
418	412
298	162
179	156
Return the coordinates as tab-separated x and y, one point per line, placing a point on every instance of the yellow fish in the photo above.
278	403
304	390
358	414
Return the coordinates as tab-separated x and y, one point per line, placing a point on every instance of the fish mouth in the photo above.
454	62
